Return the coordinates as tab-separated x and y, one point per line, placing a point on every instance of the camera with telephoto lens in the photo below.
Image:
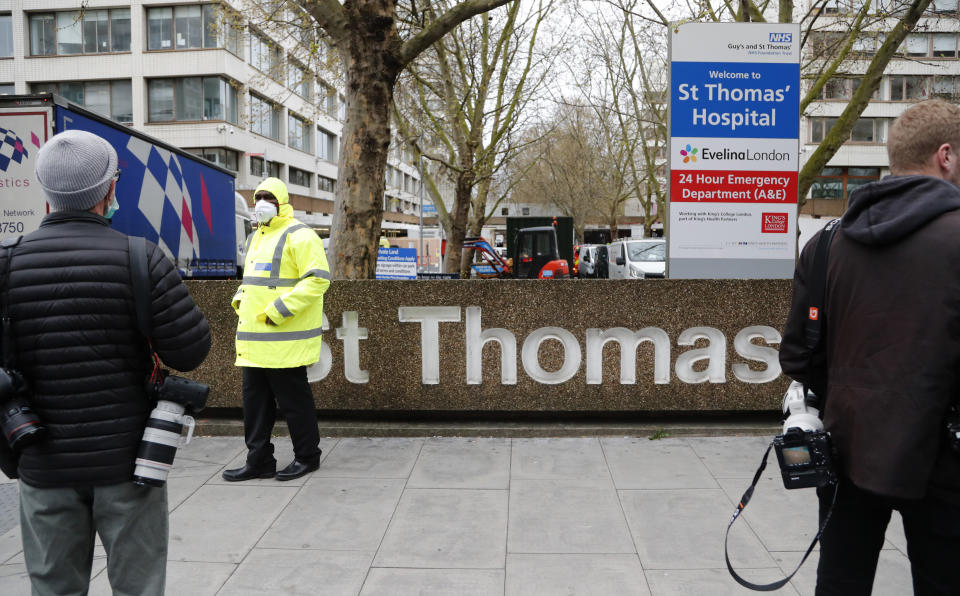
804	449
20	424
177	398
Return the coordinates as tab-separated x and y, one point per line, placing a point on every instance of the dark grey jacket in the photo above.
77	344
892	319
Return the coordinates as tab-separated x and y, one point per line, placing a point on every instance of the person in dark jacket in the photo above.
78	346
892	365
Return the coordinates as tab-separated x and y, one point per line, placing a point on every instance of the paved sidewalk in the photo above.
474	516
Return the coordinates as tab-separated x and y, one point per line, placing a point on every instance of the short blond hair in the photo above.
920	131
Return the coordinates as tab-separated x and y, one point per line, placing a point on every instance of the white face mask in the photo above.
265	211
112	209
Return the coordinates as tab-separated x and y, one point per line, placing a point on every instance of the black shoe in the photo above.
248	472
298	468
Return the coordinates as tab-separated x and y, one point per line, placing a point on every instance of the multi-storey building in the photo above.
236	89
925	66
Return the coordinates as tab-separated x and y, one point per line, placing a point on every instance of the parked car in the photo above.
638	259
593	261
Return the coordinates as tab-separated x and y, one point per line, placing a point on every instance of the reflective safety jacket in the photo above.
284	277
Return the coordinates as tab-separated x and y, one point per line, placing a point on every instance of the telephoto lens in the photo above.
19	423
161	438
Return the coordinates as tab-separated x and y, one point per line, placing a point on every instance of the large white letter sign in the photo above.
321	368
350	334
429	318
476	339
571	355
629	341
745	347
715	354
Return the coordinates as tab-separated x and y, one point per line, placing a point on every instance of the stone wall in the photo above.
709	346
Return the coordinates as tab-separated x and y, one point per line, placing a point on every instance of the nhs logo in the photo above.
781	38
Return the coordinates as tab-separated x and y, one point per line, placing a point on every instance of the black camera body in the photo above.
806	458
20	424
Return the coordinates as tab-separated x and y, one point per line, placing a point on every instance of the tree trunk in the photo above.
458	216
371	72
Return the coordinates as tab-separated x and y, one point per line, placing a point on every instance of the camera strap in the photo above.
736	514
818	286
140	281
8	356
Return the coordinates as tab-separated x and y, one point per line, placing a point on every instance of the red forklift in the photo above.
535	256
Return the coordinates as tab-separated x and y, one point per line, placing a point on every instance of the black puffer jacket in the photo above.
77	343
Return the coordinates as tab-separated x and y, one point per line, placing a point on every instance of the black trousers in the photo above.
266	389
851	542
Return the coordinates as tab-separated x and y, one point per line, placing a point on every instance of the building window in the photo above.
838	183
264	55
299	177
865	130
916	44
326	145
947	87
342	109
6	89
191	99
329	97
79	32
264	117
525	211
945	45
111	99
6	36
223	157
819	127
504	211
273	169
943	6
908	88
182	27
298	133
300	81
256	166
326	184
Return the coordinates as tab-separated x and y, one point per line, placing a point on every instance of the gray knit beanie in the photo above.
75	168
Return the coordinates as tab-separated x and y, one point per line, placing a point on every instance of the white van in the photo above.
638	259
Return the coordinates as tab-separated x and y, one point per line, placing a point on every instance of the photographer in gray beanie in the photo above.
77	345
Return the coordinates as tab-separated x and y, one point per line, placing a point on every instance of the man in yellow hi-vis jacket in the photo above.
280	305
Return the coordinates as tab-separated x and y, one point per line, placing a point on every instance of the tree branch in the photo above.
443	25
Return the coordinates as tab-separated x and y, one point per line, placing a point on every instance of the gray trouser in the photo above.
58	527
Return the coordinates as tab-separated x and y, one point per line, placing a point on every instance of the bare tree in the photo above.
375	40
467	96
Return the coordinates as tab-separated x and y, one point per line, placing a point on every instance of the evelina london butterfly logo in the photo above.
689	154
11	149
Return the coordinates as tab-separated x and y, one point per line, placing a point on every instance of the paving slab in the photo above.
583	575
294	571
452	462
684	529
715	582
221	524
730	457
560	516
371	458
433	582
579	460
892	579
336	514
445	528
639	463
196	579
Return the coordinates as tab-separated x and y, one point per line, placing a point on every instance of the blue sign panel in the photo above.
735	100
397	263
428	209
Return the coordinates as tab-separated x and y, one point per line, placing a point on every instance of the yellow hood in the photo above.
278	189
